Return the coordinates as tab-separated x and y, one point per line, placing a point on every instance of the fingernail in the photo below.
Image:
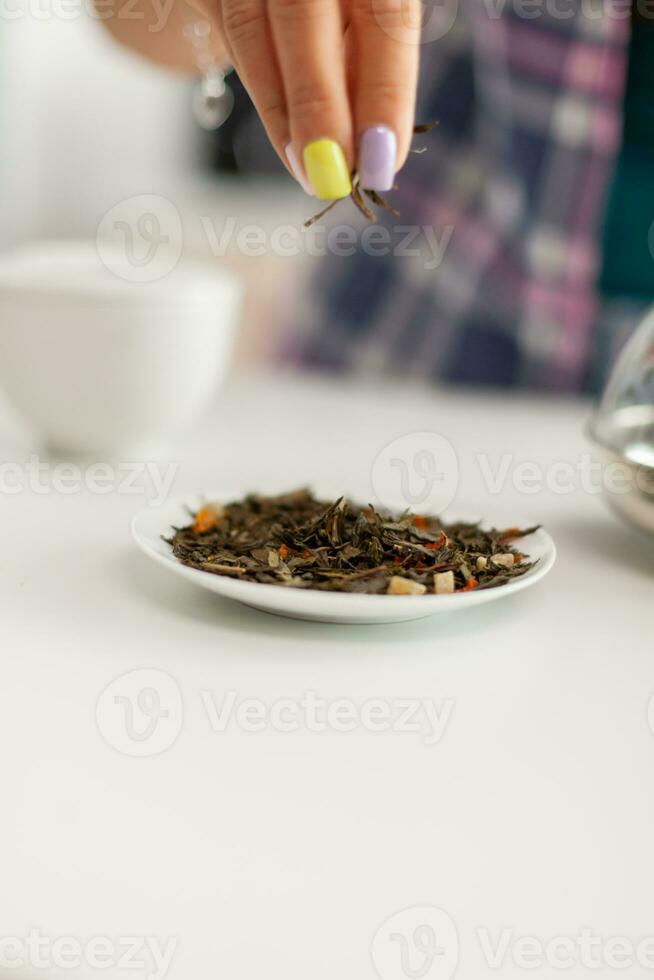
377	156
298	172
326	168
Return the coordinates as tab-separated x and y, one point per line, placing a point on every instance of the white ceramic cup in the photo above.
100	364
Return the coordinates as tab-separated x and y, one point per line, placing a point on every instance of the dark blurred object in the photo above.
240	145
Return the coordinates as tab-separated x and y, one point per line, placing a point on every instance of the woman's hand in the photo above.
334	83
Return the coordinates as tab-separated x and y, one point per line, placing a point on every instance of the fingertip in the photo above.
327	169
297	169
377	158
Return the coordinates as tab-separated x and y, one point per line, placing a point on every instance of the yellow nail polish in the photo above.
324	162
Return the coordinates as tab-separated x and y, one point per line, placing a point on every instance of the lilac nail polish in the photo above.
377	156
296	167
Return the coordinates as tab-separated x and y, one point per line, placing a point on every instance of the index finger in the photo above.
308	38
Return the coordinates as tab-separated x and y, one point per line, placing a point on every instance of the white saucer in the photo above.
151	523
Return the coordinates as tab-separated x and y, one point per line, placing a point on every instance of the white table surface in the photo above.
271	854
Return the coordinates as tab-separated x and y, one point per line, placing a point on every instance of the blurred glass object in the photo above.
623	427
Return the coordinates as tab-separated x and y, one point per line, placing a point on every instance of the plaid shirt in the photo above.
519	169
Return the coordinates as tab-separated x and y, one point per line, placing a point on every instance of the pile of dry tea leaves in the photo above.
295	540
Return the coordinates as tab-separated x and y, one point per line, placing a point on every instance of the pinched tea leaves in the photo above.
299	542
358	192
